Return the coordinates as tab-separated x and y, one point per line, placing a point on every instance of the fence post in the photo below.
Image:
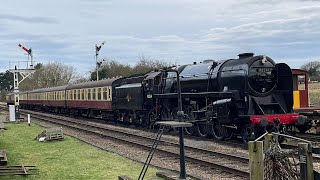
256	160
267	141
306	162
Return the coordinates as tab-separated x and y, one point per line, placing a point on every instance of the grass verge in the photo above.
68	159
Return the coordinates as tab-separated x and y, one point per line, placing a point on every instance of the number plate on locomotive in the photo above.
264	70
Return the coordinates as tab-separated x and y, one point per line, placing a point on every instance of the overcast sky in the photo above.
171	30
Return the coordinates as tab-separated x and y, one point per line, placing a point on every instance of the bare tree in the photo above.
112	68
49	75
313	69
80	79
146	64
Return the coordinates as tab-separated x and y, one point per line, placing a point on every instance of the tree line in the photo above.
113	68
313	69
59	74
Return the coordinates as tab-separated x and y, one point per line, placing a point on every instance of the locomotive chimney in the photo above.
245	55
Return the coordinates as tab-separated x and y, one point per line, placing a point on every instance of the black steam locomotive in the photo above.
247	96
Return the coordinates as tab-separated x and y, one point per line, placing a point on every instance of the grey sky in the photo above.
176	31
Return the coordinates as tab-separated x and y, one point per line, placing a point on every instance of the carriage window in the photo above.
105	93
99	94
74	95
94	94
109	94
78	94
89	94
301	82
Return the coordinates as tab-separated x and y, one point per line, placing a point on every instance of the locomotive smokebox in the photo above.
245	55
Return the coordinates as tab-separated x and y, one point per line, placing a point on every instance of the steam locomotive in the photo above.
245	96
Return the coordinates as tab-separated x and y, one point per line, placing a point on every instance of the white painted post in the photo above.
12	113
29	119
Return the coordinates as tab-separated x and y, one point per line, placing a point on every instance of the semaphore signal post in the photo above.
24	73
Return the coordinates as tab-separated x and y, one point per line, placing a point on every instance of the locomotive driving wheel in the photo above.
165	115
248	133
219	132
188	112
152	118
229	133
174	117
202	129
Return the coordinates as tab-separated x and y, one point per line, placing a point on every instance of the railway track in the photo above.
195	156
309	137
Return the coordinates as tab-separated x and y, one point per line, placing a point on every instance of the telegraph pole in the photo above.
98	63
24	73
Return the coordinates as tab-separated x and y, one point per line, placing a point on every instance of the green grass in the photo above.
68	159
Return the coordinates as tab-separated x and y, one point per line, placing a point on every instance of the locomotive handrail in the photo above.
210	94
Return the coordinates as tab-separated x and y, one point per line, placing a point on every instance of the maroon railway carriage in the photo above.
49	99
90	98
54	99
31	99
